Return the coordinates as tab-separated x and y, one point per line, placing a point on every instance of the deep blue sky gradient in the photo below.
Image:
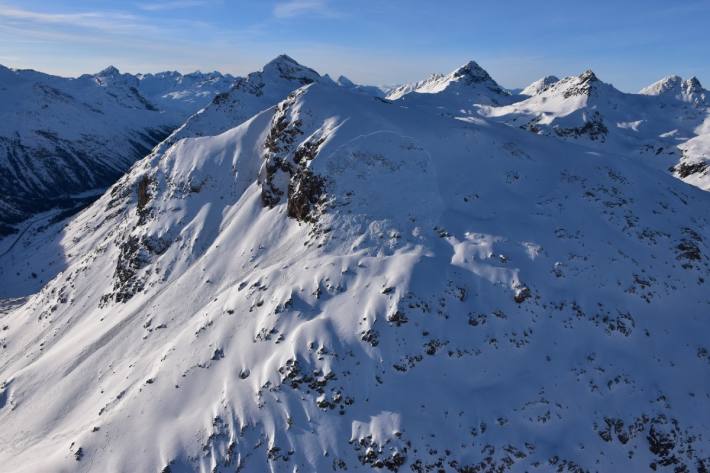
629	43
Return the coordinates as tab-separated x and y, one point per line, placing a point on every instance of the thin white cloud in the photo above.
105	21
293	8
93	19
171	5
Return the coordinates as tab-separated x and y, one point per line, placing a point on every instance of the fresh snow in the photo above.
340	282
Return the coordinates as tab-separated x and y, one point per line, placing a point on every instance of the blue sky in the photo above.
629	43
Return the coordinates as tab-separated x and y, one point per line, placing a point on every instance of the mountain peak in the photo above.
112	76
467	81
693	85
689	90
286	67
540	85
345	82
663	86
110	71
589	76
282	59
472	73
586	84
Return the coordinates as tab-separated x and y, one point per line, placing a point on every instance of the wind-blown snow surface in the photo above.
60	137
342	282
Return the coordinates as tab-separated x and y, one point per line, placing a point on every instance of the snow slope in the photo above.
399	91
346	283
694	165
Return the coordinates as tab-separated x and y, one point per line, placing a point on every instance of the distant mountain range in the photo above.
63	139
659	125
60	138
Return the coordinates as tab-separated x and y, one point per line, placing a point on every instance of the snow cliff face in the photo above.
330	283
694	165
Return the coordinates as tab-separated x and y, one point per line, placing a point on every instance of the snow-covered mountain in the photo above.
176	94
458	92
183	93
695	152
60	138
657	125
248	96
574	107
674	87
346	283
375	91
36	253
401	90
539	86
